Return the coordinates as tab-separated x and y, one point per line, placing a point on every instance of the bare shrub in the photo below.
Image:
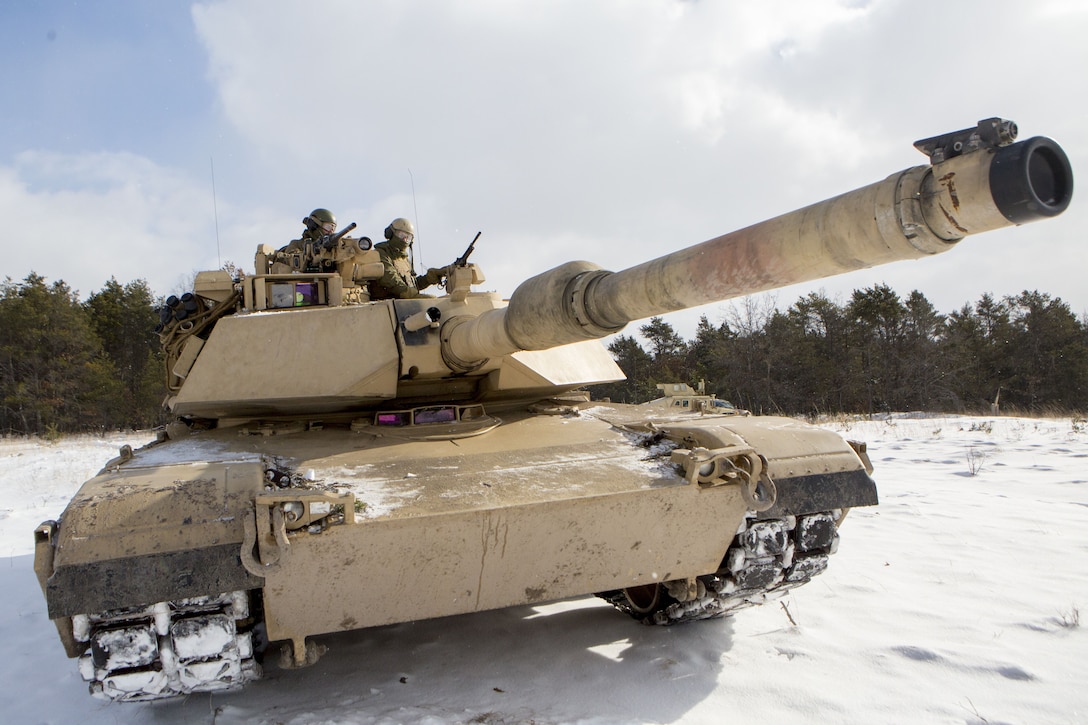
976	458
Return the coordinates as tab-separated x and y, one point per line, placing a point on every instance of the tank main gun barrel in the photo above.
978	181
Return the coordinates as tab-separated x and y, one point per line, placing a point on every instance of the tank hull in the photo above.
542	507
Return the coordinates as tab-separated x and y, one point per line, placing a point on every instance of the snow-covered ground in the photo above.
957	600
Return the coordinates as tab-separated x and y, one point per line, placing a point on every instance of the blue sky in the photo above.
103	76
606	130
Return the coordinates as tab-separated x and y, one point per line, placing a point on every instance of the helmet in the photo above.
321	220
402	228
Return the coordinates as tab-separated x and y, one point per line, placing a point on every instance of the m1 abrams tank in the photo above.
338	462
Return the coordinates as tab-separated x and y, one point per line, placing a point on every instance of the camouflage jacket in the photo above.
399	280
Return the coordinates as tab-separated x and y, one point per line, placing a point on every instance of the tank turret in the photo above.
341	355
340	461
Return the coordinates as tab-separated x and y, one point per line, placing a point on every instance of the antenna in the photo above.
215	212
415	212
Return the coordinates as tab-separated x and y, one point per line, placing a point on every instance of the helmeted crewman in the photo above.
400	280
319	223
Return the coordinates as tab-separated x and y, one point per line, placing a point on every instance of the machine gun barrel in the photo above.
463	259
331	240
914	213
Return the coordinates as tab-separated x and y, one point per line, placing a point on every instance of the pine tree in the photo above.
124	319
635	363
53	373
1047	352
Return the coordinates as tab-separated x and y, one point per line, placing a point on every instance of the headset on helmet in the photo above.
399	224
318	218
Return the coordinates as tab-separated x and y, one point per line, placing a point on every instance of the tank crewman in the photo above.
400	280
319	223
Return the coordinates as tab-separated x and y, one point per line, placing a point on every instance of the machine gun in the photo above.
324	252
329	241
463	259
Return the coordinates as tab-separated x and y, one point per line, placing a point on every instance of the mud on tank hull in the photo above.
169	570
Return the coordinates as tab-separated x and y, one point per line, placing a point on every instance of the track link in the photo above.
766	558
169	649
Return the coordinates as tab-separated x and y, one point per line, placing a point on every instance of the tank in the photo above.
337	462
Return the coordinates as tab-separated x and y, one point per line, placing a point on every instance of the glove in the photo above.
434	275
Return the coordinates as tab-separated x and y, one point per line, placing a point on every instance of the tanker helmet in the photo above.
321	220
402	229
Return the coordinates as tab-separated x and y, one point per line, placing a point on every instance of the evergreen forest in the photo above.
81	365
875	353
70	365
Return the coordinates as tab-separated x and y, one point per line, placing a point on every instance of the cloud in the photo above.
610	131
558	127
101	215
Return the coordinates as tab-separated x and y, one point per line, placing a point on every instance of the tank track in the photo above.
168	649
766	559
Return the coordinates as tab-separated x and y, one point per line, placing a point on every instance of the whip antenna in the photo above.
215	213
415	211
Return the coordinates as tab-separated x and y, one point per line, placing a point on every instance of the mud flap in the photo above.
43	569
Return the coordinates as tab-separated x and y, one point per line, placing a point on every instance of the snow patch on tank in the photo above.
380	494
601	467
577	473
193	451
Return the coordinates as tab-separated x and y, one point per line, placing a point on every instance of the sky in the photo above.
961	598
151	140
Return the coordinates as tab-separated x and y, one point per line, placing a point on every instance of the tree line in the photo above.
874	353
69	365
